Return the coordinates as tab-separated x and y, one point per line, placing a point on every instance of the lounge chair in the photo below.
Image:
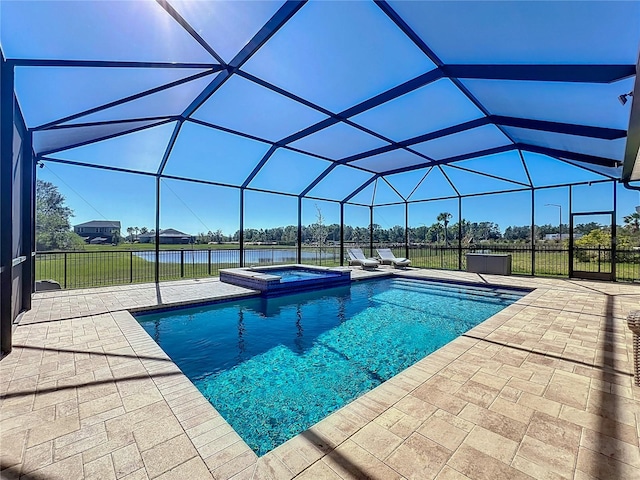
356	257
388	258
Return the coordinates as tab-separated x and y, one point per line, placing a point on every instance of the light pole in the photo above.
560	226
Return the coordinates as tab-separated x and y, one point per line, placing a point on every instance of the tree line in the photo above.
435	234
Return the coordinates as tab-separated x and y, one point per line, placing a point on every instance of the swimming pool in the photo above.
273	367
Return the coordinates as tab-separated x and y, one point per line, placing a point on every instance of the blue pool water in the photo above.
296	274
273	367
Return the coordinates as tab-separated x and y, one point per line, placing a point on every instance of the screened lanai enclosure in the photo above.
376	114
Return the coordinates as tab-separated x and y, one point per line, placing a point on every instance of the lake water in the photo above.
222	256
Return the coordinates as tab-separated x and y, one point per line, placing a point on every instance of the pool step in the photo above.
455	291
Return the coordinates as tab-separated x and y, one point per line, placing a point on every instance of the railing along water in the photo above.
94	268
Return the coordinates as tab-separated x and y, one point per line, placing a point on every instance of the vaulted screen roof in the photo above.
332	99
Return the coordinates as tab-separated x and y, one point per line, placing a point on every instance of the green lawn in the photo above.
117	265
115	268
548	263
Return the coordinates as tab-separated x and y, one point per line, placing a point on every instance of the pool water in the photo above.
296	274
273	367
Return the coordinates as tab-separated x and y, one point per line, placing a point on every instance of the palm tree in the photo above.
444	217
130	232
633	220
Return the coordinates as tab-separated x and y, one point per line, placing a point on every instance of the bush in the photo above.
594	246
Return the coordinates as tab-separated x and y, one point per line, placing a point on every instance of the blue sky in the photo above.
333	55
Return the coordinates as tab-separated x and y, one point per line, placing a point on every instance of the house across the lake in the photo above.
168	236
99	231
565	236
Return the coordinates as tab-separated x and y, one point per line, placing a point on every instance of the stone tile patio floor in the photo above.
541	390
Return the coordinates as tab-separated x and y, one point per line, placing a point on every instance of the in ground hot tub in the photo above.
282	279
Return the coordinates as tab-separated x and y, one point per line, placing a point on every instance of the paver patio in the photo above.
541	390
